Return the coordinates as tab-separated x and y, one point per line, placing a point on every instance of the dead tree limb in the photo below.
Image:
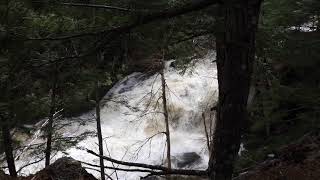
206	131
157	170
119	169
29	164
96	6
115	171
109	177
129	163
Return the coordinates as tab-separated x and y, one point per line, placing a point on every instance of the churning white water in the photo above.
132	120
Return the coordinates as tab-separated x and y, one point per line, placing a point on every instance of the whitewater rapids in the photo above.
132	112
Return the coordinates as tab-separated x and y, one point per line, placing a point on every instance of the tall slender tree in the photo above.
53	107
6	115
235	45
99	132
166	115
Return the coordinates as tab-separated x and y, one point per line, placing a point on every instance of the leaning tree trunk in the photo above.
7	144
235	55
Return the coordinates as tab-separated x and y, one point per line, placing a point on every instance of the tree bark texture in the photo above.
5	122
7	144
235	55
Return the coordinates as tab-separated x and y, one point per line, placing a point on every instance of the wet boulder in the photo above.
188	159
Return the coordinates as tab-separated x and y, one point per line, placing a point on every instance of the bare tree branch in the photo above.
118	169
29	164
161	169
109	177
96	6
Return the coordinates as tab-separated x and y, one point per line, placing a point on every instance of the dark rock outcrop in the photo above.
4	176
188	159
63	169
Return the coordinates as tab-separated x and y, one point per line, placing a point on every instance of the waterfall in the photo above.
132	120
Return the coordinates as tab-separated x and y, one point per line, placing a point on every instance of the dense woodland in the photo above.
59	58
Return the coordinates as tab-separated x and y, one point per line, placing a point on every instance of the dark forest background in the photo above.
48	45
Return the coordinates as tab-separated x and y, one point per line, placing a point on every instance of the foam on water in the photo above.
132	112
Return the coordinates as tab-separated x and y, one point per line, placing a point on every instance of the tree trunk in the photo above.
235	56
7	144
51	119
99	132
6	136
166	117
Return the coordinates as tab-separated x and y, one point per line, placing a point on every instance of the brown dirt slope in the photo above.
296	161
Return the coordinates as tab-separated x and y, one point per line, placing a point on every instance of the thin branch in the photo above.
115	171
144	142
89	52
96	6
66	37
109	177
29	164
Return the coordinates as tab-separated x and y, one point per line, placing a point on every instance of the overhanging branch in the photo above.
143	19
96	6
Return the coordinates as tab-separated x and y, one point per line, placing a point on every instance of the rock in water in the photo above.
188	159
